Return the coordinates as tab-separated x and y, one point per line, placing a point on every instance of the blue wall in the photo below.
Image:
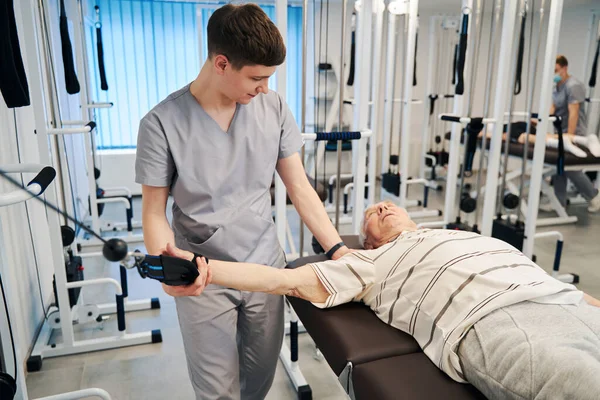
151	49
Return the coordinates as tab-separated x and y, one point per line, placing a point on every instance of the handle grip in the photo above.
450	118
44	178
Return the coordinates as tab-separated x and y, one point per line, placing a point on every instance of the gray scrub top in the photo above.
572	91
220	181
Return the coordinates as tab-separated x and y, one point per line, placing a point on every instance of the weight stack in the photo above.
391	183
74	270
513	234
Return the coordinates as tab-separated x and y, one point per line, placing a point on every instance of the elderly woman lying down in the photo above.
480	309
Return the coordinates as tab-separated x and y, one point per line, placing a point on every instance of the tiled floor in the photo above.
158	371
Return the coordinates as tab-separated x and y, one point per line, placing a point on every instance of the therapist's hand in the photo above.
203	279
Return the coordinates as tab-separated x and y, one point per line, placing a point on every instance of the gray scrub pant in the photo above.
535	351
581	181
232	341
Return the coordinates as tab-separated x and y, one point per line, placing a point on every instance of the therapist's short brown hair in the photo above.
245	35
562	61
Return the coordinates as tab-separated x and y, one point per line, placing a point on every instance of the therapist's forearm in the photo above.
311	210
157	233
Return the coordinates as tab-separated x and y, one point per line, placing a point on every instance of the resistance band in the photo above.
67	52
13	81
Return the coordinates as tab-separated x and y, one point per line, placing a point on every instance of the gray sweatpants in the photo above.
535	351
582	183
232	340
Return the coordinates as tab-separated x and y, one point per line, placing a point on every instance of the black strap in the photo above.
592	82
473	129
196	255
462	53
335	248
519	71
67	52
100	48
13	81
432	99
415	60
352	58
560	160
454	64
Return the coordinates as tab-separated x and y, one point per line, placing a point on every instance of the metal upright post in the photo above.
361	114
500	103
540	140
280	193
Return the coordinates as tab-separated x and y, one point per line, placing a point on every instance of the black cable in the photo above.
37	266
594	73
12	338
462	51
519	72
55	208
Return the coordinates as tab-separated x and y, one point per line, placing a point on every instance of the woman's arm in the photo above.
300	282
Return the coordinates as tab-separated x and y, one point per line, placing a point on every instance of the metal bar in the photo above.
501	89
540	140
342	83
379	8
408	91
303	112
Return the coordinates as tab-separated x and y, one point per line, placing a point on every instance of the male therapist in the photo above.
568	102
215	145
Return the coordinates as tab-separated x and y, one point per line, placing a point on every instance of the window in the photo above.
151	49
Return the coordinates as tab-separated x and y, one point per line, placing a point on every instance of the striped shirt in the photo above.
435	284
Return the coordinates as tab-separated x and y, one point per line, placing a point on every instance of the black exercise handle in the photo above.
462	53
100	49
594	73
450	118
519	71
473	128
432	99
44	178
354	135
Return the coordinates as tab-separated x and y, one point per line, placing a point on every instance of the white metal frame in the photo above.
9	285
34	50
76	12
556	8
407	8
435	85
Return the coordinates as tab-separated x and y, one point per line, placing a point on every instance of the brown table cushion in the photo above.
550	155
411	376
350	332
320	189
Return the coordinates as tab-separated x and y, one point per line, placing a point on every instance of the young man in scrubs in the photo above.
215	145
568	102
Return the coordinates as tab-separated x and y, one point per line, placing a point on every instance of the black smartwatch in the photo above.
332	250
196	255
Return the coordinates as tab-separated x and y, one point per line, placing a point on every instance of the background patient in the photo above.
480	309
